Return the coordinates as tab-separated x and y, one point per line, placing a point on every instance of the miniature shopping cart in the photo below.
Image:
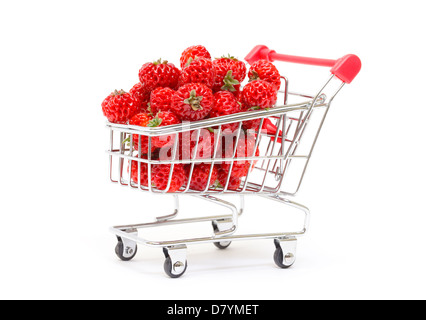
276	171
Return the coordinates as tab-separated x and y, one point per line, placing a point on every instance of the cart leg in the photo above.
126	249
173	215
285	251
233	225
175	264
220	226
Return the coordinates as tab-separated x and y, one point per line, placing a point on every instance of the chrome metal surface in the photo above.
129	246
220	226
229	226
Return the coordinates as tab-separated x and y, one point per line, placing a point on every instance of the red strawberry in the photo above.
200	176
192	53
266	71
192	102
161	100
119	107
245	148
225	103
259	94
140	96
251	124
143	173
267	127
143	120
234	182
159	74
230	72
162	119
206	145
200	70
161	174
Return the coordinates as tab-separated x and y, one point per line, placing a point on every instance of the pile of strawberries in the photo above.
203	88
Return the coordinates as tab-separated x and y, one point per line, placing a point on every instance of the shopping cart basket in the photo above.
276	170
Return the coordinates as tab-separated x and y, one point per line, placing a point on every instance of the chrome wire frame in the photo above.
277	154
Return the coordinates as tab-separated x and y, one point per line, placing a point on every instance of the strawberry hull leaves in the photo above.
226	80
192	102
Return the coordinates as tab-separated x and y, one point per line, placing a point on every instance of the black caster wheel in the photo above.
223	244
220	244
281	260
125	254
176	270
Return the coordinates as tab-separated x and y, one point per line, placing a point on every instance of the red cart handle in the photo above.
345	68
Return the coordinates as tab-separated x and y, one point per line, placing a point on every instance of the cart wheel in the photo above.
281	260
125	254
220	244
176	270
223	244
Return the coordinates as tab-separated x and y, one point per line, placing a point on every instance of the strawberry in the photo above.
192	102
140	96
200	176
161	174
159	74
161	99
192	53
205	148
266	71
225	103
259	94
143	173
162	119
222	178
142	119
244	148
200	70
267	126
230	72
119	107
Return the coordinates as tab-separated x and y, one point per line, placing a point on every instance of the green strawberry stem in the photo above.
149	108
127	140
217	185
254	76
229	57
118	92
157	62
189	62
155	122
255	108
194	101
229	82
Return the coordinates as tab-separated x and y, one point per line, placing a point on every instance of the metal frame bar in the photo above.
227	235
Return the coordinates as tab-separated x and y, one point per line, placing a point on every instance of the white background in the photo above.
365	185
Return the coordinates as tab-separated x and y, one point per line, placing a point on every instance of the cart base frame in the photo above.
224	227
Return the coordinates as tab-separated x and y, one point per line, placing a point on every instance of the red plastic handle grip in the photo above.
345	68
